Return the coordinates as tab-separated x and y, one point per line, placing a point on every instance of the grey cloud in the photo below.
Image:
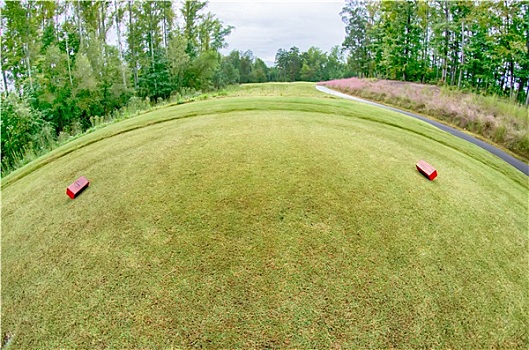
264	27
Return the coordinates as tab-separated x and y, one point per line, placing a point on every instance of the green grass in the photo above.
274	217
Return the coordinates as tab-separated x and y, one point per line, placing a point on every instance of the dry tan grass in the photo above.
497	120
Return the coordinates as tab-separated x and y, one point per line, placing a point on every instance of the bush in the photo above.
24	133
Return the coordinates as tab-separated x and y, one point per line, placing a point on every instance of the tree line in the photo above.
482	45
290	65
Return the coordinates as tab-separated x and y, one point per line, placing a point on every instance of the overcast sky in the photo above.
266	26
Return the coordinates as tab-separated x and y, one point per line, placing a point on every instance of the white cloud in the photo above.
266	26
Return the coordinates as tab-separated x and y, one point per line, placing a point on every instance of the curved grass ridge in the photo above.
267	222
241	104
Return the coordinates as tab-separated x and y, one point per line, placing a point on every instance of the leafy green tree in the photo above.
86	93
54	93
227	74
288	64
335	68
212	33
191	15
314	63
23	131
154	71
401	39
133	39
511	49
475	44
155	79
259	71
201	71
246	66
118	16
354	15
56	58
178	60
523	72
20	44
114	91
235	59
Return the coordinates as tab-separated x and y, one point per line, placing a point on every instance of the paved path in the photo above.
518	164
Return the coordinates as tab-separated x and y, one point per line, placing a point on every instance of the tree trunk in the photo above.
132	52
406	42
120	47
56	25
165	32
462	62
26	48
79	23
5	81
102	31
28	63
68	61
445	68
102	27
447	41
502	81
151	47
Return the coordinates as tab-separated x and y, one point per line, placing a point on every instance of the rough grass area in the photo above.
266	222
498	120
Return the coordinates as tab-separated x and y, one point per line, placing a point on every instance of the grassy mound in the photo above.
275	217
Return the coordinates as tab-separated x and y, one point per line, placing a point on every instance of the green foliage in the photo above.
259	71
244	67
355	17
480	44
178	60
190	13
289	64
312	65
57	57
226	75
86	91
24	131
313	68
201	71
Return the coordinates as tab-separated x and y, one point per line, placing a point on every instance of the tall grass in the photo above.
499	120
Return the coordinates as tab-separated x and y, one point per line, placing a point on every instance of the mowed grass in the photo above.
265	221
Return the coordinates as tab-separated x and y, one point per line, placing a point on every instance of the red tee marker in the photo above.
427	170
77	187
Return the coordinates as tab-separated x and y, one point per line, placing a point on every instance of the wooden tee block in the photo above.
77	187
426	169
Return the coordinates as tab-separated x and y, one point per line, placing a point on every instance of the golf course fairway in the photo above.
272	217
